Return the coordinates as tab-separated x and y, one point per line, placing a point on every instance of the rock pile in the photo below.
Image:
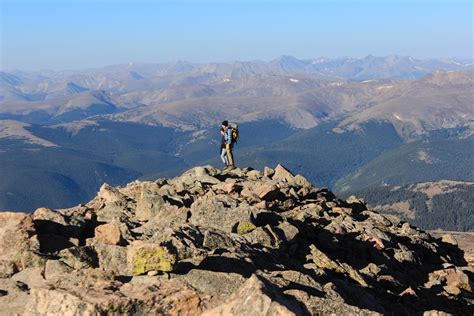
240	242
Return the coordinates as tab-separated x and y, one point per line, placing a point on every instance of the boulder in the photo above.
108	234
357	205
245	227
287	232
32	277
117	212
322	261
170	297
15	230
201	171
269	192
149	204
459	279
110	195
406	229
79	257
225	187
371	270
404	256
217	212
55	270
255	298
302	182
112	206
169	217
452	279
268	172
13	298
282	174
449	239
219	285
203	175
143	257
216	239
112	258
247	192
254	175
238	172
342	210
263	236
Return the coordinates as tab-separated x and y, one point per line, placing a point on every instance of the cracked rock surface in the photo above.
212	242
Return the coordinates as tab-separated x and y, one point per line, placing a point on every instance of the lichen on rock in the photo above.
245	227
144	257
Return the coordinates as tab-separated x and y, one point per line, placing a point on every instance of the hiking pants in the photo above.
224	157
230	156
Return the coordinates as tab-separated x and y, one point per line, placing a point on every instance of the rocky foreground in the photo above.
242	242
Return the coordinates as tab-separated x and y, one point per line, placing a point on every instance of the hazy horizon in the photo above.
70	35
224	61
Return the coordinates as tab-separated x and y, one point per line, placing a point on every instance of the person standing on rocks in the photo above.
223	151
228	144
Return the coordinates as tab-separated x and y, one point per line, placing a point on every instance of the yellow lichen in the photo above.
152	259
245	227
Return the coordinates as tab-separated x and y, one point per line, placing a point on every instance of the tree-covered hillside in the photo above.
430	159
444	204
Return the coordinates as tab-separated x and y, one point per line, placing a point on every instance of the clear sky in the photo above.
73	34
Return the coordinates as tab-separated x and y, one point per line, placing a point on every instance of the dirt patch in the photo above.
439	187
401	208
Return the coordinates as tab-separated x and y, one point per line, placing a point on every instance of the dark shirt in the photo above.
222	140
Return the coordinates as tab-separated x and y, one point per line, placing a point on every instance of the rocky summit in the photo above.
212	242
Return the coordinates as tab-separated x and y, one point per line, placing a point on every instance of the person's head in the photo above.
225	124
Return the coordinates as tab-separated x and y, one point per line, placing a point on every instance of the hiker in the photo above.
230	139
223	151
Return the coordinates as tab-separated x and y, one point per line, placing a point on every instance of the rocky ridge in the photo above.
240	242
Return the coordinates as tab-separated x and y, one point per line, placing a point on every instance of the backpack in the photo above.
235	133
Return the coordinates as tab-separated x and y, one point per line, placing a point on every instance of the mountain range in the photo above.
352	124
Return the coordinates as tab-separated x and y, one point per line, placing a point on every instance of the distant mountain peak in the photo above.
289	62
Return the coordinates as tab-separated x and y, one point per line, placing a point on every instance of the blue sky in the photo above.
73	34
